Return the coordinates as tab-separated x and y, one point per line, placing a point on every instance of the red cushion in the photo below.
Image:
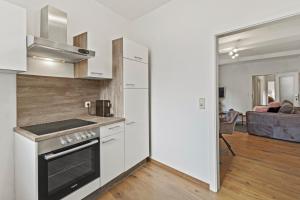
260	109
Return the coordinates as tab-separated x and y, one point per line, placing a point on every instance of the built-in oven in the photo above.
64	170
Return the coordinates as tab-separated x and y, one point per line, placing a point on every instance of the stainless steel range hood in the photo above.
52	45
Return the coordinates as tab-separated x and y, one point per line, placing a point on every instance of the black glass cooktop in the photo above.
42	129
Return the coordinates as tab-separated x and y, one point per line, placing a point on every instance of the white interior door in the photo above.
288	87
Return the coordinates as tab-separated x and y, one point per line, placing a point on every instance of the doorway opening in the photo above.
258	107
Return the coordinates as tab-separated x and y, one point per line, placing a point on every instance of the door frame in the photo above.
296	82
214	145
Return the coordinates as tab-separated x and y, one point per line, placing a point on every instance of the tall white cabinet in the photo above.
12	37
136	127
131	59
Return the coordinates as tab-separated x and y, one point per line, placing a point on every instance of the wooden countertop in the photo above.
100	121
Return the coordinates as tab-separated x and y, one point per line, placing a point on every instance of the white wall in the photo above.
181	38
237	79
7	122
83	16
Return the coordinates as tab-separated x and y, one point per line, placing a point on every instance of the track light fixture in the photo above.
234	53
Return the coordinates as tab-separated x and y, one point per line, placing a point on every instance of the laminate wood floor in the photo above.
264	169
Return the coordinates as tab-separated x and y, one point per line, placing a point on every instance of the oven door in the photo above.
65	170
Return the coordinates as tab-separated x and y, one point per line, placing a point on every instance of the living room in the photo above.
259	102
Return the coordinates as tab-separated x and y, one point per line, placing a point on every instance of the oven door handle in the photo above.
52	155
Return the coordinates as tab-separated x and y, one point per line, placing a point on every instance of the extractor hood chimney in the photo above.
54	24
52	45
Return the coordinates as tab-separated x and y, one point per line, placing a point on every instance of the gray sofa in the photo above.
274	125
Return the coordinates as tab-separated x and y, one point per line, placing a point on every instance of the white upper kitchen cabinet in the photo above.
99	67
135	74
137	126
134	51
12	37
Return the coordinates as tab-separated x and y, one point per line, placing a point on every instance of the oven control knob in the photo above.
89	135
83	136
69	139
63	141
93	133
78	137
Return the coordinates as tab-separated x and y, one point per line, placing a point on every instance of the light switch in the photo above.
202	103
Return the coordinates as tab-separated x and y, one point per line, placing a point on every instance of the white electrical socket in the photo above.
87	104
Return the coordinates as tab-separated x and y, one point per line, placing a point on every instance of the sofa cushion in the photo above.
274	104
260	109
286	101
274	109
286	108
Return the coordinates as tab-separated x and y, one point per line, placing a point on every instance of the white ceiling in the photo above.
132	9
276	39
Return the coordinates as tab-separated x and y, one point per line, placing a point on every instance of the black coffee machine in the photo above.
103	108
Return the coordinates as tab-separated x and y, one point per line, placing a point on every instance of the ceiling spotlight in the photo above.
234	53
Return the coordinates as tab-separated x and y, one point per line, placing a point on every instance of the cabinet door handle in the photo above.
107	141
52	156
137	57
112	128
130	123
97	73
130	84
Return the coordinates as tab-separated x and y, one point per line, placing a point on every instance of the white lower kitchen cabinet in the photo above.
137	144
136	127
112	153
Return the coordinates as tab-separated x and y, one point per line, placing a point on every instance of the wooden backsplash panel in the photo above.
46	99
